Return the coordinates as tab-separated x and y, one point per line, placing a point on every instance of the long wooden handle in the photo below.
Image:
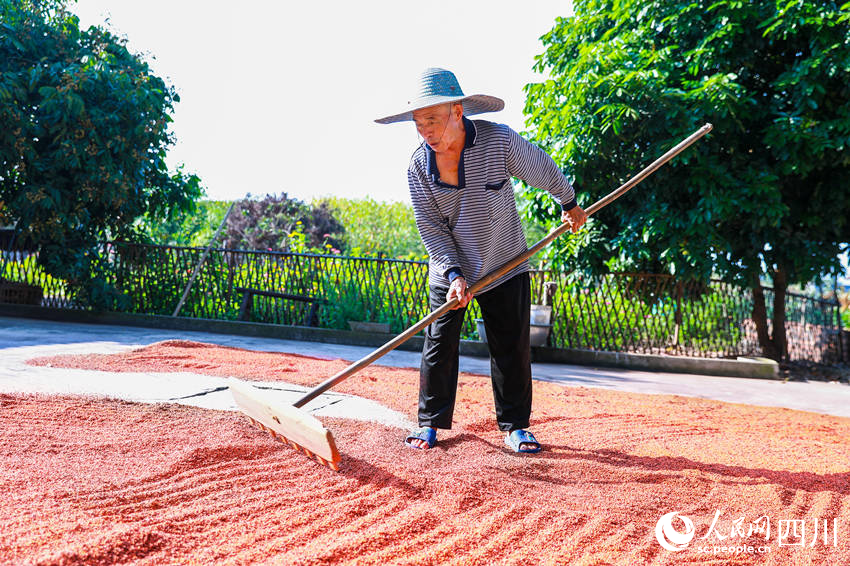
554	233
201	261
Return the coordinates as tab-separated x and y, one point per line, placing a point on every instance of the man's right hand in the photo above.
458	290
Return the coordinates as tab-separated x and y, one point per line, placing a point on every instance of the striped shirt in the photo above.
473	228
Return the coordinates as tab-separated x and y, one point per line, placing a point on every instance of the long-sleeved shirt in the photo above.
473	228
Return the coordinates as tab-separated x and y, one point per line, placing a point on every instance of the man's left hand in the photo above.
576	217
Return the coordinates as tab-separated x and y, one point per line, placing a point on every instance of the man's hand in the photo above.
576	217
457	290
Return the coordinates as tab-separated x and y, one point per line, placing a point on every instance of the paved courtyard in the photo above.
22	339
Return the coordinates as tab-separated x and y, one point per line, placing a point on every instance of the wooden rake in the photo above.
296	427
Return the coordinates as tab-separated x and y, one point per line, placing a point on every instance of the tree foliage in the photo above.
83	139
332	225
193	228
279	223
766	194
373	227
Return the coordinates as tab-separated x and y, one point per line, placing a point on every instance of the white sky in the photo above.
281	96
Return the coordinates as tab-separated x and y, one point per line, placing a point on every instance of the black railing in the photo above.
626	312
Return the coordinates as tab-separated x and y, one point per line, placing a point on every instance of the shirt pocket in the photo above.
497	194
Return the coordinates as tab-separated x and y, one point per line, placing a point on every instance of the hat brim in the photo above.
472	104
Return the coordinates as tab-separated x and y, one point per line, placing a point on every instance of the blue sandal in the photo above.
425	433
515	439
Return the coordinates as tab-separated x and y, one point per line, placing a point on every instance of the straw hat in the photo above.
439	86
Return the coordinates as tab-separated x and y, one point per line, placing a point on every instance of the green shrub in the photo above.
373	227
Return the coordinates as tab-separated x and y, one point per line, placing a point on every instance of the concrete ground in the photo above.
22	339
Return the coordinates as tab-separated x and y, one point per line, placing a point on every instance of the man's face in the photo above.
438	125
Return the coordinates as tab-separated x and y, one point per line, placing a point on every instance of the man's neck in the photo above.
455	147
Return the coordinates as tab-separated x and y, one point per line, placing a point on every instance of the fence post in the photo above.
10	252
842	355
677	315
379	274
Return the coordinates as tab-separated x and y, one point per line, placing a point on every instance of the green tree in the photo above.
765	195
280	223
83	140
186	227
373	227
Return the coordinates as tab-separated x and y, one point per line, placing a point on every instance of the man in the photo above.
463	202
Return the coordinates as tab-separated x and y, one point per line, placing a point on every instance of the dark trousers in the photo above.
505	310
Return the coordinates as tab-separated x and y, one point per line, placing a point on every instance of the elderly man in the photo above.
463	202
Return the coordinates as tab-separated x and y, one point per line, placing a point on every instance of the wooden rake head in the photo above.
292	426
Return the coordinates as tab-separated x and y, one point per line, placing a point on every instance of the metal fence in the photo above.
21	266
640	313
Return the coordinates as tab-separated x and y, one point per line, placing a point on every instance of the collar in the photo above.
431	161
471	132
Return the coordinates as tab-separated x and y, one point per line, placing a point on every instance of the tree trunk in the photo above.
780	285
760	319
775	346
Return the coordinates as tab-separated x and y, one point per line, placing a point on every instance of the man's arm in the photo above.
433	229
438	239
528	162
